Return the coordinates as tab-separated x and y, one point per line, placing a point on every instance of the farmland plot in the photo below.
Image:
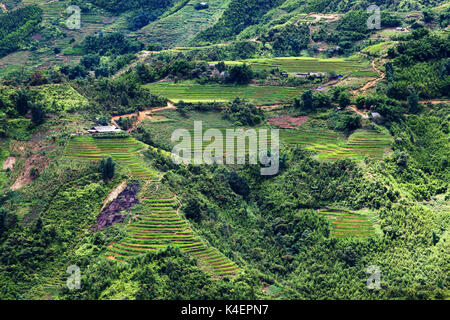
346	224
159	225
124	150
259	95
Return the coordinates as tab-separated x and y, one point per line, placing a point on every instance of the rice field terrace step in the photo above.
161	205
346	224
168	200
163	227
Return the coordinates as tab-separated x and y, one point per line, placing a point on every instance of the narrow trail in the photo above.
148	113
434	101
354	108
142	115
364	88
371	83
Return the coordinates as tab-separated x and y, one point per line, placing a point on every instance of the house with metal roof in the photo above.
103	129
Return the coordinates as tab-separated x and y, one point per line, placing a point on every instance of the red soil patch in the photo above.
286	121
33	152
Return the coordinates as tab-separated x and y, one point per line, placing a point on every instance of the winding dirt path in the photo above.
142	115
354	108
434	101
148	113
371	83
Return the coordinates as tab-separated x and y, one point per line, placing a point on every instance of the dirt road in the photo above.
371	83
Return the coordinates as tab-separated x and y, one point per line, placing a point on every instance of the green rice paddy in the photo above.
160	226
123	150
332	145
345	224
305	64
189	92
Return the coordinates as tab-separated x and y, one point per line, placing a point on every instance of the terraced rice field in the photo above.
240	145
188	92
305	64
123	150
181	24
161	226
332	145
346	224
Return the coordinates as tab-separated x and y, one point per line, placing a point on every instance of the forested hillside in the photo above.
91	177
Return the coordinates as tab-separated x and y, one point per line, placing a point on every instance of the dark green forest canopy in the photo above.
238	16
17	27
363	176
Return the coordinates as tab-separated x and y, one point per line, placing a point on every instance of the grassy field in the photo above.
329	144
58	98
123	150
306	64
379	49
188	92
178	27
332	145
159	225
345	224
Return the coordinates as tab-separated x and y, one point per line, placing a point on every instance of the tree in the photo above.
241	74
77	71
37	79
37	114
107	168
90	61
428	16
307	100
413	102
343	99
3	124
389	71
144	73
22	102
402	159
34	173
435	238
192	210
3	214
238	184
221	66
104	120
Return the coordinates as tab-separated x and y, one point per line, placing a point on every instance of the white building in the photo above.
104	129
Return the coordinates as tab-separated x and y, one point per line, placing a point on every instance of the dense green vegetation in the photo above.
362	116
240	14
422	65
17	27
223	93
